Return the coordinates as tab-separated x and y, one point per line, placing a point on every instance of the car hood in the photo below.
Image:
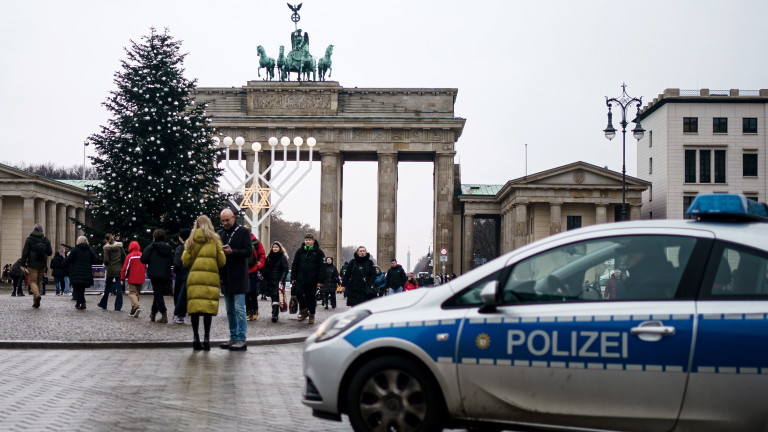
391	302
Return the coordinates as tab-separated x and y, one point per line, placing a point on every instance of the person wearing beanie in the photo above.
180	287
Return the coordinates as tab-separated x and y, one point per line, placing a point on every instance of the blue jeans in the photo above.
395	290
66	284
59	281
112	285
236	316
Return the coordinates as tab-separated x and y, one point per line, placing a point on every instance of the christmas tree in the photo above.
156	155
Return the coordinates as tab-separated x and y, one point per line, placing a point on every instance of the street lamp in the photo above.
623	102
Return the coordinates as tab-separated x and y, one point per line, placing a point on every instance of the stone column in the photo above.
61	225
50	226
27	217
2	218
386	237
555	222
330	204
40	212
634	212
71	237
601	213
521	224
81	218
468	243
443	196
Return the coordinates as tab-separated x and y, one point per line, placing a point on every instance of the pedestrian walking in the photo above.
234	278
80	261
396	278
134	273
275	271
114	255
37	249
203	255
255	278
57	271
182	272
307	276
17	272
67	290
412	283
7	273
330	283
358	280
158	257
380	282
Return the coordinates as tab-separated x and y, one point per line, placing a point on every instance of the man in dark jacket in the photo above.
307	275
158	257
35	255
396	277
236	241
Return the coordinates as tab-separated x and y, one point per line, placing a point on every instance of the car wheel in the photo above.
393	394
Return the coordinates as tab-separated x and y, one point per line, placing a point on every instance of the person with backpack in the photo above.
113	263
158	257
255	278
134	272
37	249
17	274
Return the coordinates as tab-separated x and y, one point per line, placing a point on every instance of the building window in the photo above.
650	138
749	165
687	200
705	166
650	165
749	125
720	125
690	166
691	124
751	197
719	166
650	215
573	222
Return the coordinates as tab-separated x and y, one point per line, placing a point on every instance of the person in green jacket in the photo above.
203	256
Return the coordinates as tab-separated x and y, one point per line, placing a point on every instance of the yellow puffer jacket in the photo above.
203	262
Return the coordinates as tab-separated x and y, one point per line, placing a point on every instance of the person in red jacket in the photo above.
255	278
134	271
411	283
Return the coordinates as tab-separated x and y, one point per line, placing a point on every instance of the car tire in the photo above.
394	394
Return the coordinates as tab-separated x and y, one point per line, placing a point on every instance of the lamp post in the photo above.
255	197
623	102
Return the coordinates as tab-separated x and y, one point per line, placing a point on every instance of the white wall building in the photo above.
702	141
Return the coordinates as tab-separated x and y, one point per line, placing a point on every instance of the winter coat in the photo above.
275	270
204	259
179	269
358	280
396	277
113	259
380	282
258	254
57	267
307	267
80	261
410	284
158	257
330	279
134	270
234	275
29	258
16	268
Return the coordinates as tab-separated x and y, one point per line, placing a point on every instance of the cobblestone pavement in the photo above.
58	322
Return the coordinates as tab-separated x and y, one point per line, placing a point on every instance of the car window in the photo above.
614	268
741	272
470	296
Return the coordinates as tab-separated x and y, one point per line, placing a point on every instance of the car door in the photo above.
555	351
728	386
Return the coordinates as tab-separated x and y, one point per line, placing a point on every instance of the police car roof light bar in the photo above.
727	207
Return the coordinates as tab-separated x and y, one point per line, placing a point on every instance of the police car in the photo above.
522	342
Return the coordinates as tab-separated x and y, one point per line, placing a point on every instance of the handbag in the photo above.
283	304
293	307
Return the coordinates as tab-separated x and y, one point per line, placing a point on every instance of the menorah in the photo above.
258	186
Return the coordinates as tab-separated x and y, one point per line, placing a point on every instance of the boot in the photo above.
275	311
163	319
255	315
249	316
206	344
311	319
196	345
303	314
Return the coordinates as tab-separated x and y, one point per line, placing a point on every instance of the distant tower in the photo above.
409	259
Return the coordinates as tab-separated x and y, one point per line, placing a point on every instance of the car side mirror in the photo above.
488	296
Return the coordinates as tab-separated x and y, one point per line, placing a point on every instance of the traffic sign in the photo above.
444	258
444	251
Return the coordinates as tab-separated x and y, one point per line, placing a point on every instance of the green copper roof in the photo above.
82	184
480	189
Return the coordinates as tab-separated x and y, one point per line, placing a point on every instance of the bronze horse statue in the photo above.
266	62
281	63
325	64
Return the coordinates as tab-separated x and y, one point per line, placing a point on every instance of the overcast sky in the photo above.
527	72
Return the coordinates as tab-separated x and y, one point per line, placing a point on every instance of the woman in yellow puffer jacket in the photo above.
203	256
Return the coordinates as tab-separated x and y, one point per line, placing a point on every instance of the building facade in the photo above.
701	141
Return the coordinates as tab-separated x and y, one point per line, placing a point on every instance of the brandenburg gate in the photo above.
386	125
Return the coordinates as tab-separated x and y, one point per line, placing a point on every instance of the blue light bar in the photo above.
727	207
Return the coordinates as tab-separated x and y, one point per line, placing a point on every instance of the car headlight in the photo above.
339	323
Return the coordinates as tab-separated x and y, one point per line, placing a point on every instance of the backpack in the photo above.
40	251
252	257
